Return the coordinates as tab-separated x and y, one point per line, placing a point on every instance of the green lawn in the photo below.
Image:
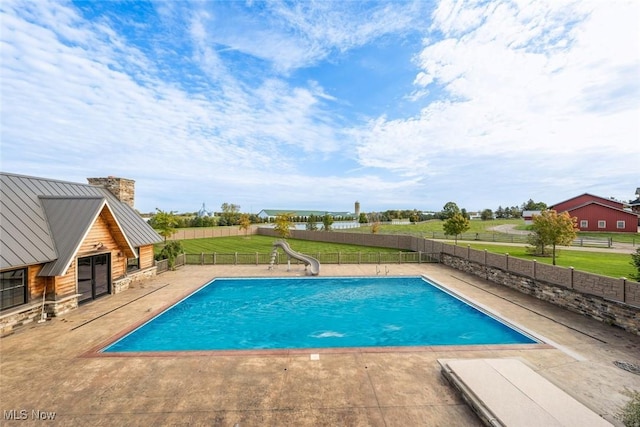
603	263
476	226
427	227
264	244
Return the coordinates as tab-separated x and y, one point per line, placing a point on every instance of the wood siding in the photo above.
146	256
66	285
593	213
104	230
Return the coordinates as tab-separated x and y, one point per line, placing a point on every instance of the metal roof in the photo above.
276	212
40	219
70	218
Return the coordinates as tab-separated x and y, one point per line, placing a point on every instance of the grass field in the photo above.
264	244
603	263
427	227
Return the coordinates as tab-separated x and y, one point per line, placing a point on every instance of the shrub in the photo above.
170	252
630	414
635	261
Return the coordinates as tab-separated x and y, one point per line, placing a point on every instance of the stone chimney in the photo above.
122	188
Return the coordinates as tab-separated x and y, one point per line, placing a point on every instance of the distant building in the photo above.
597	213
528	216
635	204
475	215
204	213
271	214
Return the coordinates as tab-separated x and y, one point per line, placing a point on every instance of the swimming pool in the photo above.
295	313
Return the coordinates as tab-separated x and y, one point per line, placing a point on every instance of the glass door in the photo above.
85	280
94	277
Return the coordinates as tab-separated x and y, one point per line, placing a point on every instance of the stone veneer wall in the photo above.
123	283
122	188
11	321
33	312
605	310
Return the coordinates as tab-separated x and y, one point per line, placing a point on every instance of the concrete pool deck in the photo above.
45	368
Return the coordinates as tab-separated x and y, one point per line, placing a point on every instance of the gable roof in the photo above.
587	194
602	205
37	214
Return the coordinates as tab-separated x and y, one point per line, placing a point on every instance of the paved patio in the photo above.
45	367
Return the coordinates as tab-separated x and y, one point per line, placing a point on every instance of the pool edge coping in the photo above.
96	351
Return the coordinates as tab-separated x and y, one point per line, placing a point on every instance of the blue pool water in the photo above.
285	313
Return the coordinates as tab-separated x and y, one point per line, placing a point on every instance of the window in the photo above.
620	224
133	264
602	223
584	223
13	288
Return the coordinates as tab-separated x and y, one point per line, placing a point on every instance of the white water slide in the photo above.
312	263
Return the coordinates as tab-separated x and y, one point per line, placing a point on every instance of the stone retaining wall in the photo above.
602	309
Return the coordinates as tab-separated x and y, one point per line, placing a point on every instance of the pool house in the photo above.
64	244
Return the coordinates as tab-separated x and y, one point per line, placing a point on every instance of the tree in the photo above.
165	223
327	221
456	225
500	212
230	214
551	228
363	218
283	224
170	252
449	210
486	215
311	223
530	205
635	261
244	223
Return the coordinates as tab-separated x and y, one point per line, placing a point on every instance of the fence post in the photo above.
338	257
507	257
201	258
486	270
419	257
257	258
535	263
215	258
468	252
624	289
400	257
235	258
571	277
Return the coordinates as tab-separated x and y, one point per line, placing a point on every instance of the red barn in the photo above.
596	213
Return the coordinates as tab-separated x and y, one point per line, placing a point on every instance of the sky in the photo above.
315	105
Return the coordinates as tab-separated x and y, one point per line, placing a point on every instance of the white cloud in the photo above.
520	81
515	90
